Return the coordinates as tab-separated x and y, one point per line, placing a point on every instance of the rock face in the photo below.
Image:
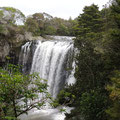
4	49
10	45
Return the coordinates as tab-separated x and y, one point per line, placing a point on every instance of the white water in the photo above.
52	60
47	114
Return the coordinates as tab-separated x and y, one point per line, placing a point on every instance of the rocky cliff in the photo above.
10	44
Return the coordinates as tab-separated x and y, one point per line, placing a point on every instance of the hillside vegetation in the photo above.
97	88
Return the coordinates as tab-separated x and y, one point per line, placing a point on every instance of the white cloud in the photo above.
59	8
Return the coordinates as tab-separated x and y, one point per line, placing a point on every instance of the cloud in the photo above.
59	8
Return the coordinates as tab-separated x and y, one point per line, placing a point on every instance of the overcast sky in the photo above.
56	8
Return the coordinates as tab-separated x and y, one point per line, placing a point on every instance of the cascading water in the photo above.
52	59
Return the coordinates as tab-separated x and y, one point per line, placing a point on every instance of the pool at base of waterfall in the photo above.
46	114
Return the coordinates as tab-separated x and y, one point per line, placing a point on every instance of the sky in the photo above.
57	8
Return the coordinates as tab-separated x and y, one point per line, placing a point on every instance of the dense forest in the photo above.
96	93
97	72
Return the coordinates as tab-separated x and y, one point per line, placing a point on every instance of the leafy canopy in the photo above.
20	93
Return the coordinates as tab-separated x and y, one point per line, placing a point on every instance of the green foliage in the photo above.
9	118
114	88
91	74
50	30
98	43
1	14
10	9
65	97
10	21
88	60
89	24
35	24
11	15
31	25
114	36
55	103
17	90
62	110
62	30
40	25
1	28
92	105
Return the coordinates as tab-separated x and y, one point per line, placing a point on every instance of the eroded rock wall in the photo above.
10	45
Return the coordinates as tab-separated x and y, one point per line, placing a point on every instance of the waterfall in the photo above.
52	59
26	56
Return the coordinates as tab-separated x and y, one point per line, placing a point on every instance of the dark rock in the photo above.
10	45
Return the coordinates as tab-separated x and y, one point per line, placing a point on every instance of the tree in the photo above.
114	88
62	30
50	30
90	73
31	25
114	35
71	25
12	16
88	59
92	105
89	25
11	22
35	24
40	19
20	93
